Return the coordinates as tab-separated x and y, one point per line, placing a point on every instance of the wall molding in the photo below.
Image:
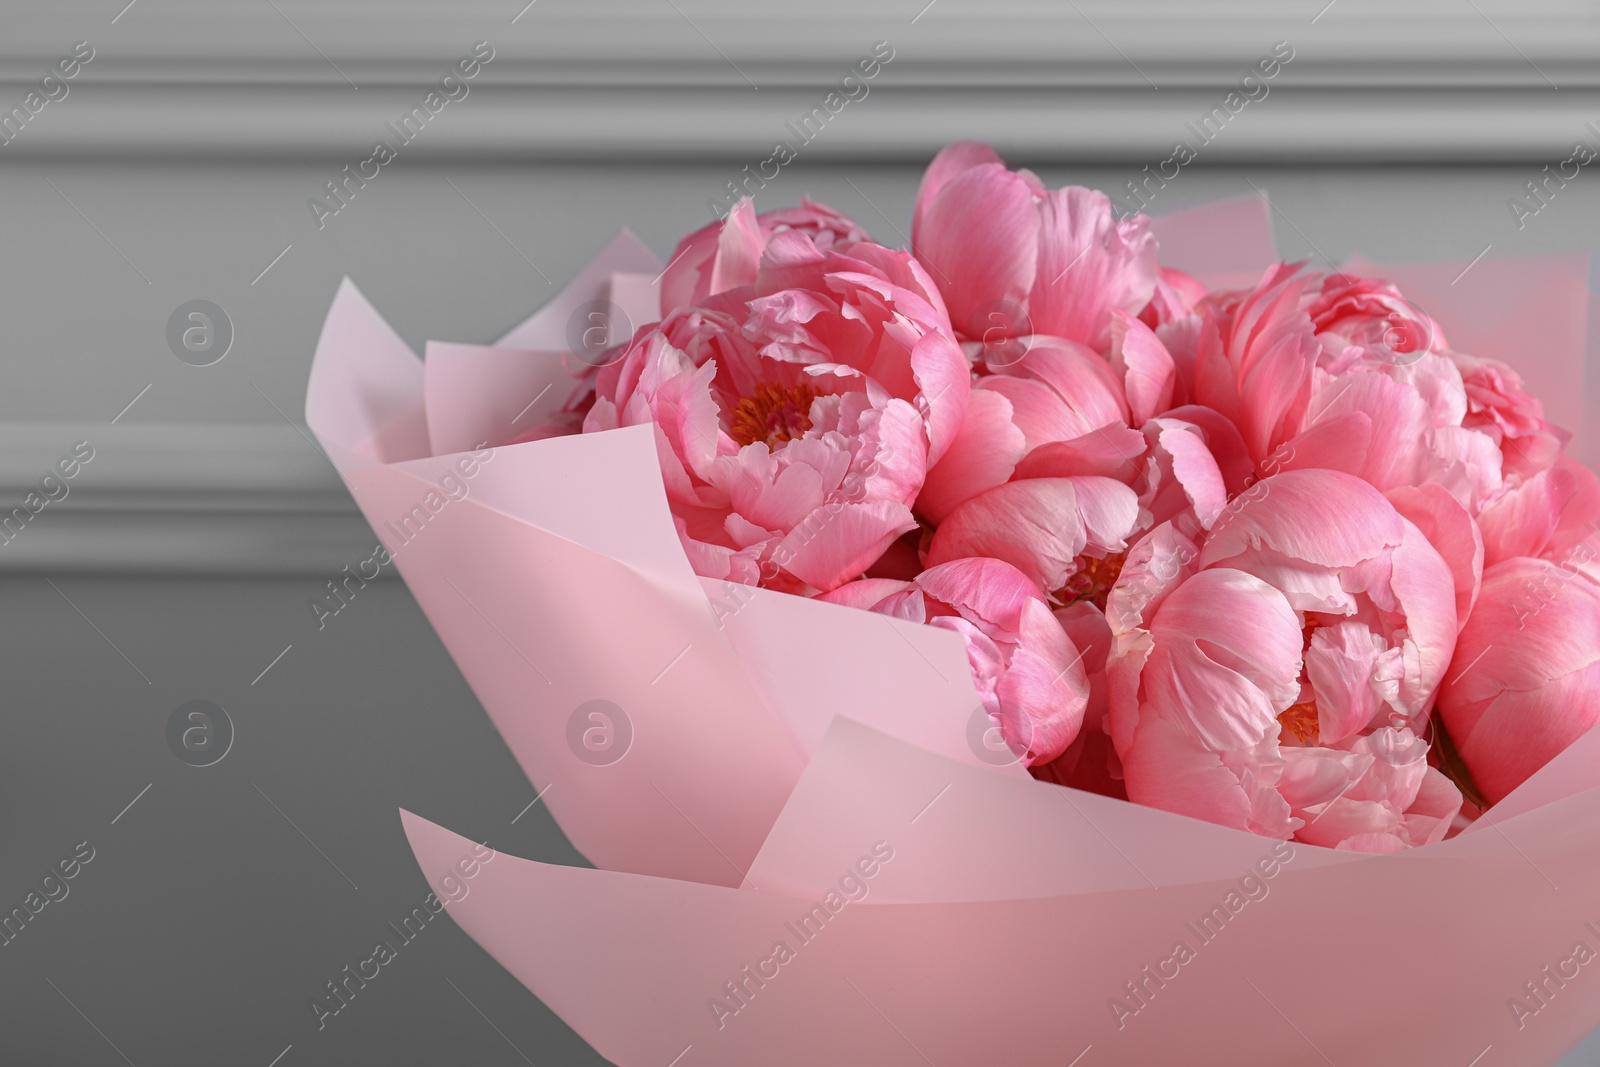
177	499
1435	80
640	81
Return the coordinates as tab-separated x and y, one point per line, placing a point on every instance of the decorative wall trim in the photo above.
171	499
637	81
1435	80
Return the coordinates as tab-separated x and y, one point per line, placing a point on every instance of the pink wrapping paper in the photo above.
557	580
1226	245
1017	953
776	746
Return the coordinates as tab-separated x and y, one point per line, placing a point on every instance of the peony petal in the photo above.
952	160
1110	451
1226	659
944	378
978	236
1223	442
1522	519
1400	445
1525	678
1519	732
982	455
1146	367
1324	518
1448	527
1255	364
1195	469
1166	768
1340	663
1045	683
1155	566
984	591
1039	411
1425	590
864	593
1576	540
838	542
1109	511
1086	625
1090	264
1340	443
739	246
1080	377
1428	818
1040	526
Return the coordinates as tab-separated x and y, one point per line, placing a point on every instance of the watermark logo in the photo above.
199	733
341	989
52	487
599	733
199	333
598	332
1544	987
1004	333
990	744
1407	336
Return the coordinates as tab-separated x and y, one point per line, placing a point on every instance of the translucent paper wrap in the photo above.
809	853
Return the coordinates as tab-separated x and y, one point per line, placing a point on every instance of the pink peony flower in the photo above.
1339	372
726	254
1387	382
1058	392
795	417
1066	534
1254	359
1033	475
1372	317
1029	676
1275	673
1048	475
1015	259
1552	515
1525	681
1499	407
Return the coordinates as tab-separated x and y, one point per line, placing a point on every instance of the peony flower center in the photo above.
1094	579
772	414
1301	720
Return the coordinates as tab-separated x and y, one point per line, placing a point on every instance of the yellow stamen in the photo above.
772	414
1094	579
1301	720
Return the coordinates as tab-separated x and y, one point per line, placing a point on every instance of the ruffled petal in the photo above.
1040	526
983	454
1226	659
1324	518
837	542
951	161
1090	264
1450	529
1148	373
979	236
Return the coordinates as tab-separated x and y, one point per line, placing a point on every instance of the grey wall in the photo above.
178	569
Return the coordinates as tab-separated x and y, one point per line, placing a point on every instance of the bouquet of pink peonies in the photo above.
923	640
